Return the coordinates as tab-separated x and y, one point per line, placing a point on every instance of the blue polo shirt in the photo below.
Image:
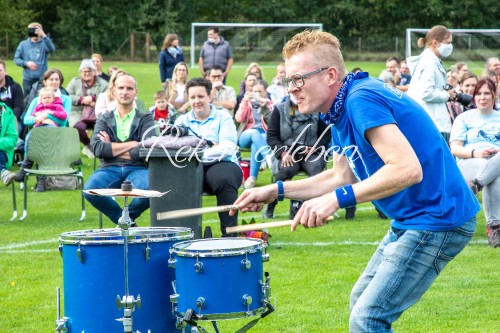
442	200
219	127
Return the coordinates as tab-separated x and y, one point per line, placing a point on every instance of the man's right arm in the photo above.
18	57
201	64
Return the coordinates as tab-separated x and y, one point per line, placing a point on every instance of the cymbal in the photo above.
116	192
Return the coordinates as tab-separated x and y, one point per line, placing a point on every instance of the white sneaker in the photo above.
7	177
88	152
250	183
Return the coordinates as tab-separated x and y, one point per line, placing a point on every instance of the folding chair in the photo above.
54	150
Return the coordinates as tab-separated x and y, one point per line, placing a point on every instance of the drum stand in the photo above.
127	302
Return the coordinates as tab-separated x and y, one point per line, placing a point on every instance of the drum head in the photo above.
218	247
114	236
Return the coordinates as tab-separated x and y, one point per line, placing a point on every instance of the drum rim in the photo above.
136	235
208	253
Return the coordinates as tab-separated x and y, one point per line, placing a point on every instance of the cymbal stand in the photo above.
128	302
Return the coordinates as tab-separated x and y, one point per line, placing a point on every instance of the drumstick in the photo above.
260	226
175	214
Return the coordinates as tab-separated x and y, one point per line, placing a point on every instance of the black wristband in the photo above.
472	153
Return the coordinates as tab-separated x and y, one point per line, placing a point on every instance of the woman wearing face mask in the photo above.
170	55
428	81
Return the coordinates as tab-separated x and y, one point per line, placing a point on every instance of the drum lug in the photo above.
147	251
247	300
265	257
62	324
201	303
172	262
198	266
246	264
79	253
266	288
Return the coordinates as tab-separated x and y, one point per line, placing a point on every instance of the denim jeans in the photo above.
400	272
256	140
3	161
113	177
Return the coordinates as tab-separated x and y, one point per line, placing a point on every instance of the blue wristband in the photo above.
281	190
345	196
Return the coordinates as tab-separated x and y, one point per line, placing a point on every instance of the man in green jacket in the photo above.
8	140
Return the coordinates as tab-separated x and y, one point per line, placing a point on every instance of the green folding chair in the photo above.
54	150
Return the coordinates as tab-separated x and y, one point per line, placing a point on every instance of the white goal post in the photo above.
254	41
468	44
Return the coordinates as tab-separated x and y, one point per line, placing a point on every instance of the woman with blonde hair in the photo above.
98	61
170	55
176	88
254	69
429	77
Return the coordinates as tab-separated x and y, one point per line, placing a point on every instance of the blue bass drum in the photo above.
93	269
220	278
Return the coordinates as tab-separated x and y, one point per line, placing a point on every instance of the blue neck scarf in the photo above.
337	108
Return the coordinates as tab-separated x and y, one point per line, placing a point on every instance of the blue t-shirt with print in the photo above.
476	130
442	200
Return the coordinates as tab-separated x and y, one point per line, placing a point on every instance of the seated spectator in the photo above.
170	55
11	94
467	84
277	91
253	116
454	108
115	141
475	141
254	69
8	141
493	64
176	88
106	101
356	70
462	68
83	91
162	112
48	111
298	142
489	74
223	96
405	73
222	175
98	62
250	80
392	74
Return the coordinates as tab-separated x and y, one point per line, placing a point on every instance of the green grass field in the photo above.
312	270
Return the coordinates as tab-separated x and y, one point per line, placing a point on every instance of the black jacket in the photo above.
12	95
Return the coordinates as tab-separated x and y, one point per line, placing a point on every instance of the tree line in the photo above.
74	25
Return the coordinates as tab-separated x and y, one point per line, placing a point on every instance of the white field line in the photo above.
18	248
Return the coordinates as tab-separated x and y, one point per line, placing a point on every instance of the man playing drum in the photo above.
388	152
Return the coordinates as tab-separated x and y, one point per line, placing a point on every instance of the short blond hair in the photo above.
325	49
46	91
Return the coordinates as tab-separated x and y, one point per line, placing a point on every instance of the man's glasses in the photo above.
298	79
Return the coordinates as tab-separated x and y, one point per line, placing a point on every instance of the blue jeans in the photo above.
113	177
400	272
256	140
3	161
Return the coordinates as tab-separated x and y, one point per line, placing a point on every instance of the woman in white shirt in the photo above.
428	80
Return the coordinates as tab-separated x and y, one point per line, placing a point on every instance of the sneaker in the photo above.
20	176
493	229
350	213
269	161
250	183
269	210
7	177
478	184
473	187
40	185
294	207
88	152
